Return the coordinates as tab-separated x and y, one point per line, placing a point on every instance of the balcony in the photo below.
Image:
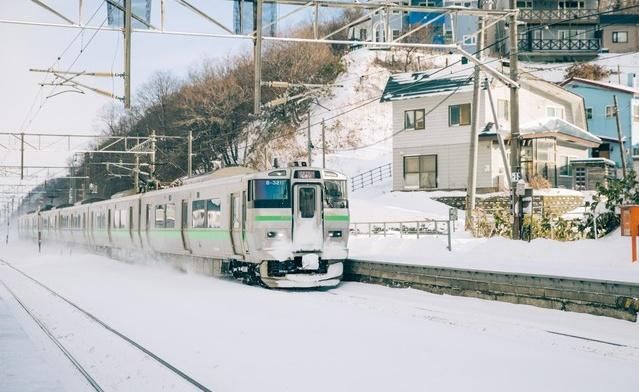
572	15
583	44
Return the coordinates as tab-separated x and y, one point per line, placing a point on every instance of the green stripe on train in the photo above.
271	218
336	217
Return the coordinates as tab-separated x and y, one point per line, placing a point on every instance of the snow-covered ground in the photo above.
607	258
233	337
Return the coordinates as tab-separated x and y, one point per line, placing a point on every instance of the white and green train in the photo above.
284	228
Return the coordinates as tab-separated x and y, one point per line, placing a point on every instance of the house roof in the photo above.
419	84
609	86
618	19
549	127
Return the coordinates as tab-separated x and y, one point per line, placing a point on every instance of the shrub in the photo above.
586	71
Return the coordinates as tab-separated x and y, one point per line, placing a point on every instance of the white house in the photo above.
431	122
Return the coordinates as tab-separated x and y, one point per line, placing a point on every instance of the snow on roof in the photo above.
419	84
550	125
609	86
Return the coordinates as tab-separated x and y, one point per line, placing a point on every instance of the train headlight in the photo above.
335	234
274	234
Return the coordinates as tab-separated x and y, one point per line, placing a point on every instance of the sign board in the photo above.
520	188
630	226
140	8
452	214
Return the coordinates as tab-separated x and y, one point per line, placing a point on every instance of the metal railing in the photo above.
574	15
405	228
372	176
585	44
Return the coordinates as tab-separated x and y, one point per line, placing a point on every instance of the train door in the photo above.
139	227
308	233
109	224
236	224
130	223
184	224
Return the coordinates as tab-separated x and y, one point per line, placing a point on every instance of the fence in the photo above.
416	228
372	176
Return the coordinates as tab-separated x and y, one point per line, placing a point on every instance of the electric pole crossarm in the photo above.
204	15
504	79
56	13
96	74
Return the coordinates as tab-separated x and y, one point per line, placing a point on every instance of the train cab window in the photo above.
213	214
271	194
160	216
116	219
170	216
335	194
198	214
124	219
307	202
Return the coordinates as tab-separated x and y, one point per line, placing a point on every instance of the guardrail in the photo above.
416	228
372	176
598	297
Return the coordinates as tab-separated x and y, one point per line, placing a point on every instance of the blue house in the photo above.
600	113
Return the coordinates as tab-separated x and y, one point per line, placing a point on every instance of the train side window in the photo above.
170	216
198	214
213	214
160	216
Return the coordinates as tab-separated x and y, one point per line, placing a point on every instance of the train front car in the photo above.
298	218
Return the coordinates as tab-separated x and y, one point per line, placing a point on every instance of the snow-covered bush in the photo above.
606	202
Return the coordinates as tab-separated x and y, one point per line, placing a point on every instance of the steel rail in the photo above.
106	326
55	340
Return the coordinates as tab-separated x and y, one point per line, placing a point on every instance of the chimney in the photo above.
632	80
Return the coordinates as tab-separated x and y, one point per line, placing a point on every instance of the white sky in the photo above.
27	47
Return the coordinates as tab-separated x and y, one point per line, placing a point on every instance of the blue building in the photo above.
416	18
600	113
462	29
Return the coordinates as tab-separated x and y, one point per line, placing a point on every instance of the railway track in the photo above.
598	297
179	373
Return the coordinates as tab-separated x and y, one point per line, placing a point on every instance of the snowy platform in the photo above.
27	363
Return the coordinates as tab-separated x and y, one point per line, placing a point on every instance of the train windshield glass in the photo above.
271	194
335	194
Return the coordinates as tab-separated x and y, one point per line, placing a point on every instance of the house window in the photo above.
588	113
524	4
564	166
555	111
362	35
470	39
459	115
635	112
503	106
619	37
610	111
420	171
414	119
395	34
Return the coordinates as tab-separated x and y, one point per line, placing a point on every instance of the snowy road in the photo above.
233	337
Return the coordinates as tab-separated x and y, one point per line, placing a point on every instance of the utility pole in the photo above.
474	134
190	171
309	145
323	145
22	156
257	55
515	151
136	174
127	53
620	136
152	168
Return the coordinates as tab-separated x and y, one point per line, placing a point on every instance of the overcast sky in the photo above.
25	47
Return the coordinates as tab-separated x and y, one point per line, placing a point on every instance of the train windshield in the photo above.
335	194
271	194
